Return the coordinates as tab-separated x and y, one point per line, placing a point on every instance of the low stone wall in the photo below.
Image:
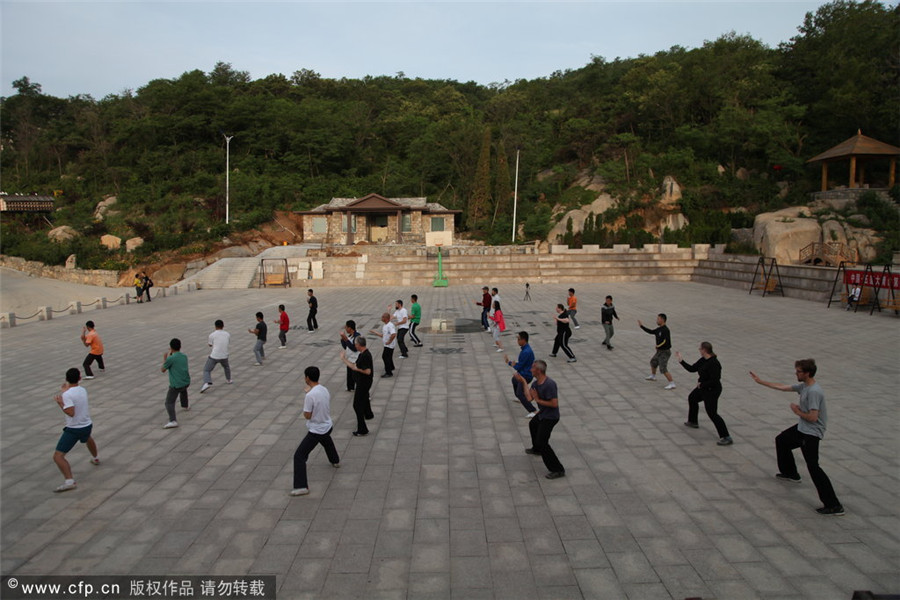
99	277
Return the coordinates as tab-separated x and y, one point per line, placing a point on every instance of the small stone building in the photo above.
377	220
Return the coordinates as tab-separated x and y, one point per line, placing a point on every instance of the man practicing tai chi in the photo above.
663	350
176	364
74	403
284	324
388	335
363	368
260	331
522	376
91	339
607	313
400	319
218	341
311	323
415	317
544	392
708	390
317	412
806	434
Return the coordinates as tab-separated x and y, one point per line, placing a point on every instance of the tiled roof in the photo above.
858	145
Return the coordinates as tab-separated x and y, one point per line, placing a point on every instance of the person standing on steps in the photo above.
415	317
73	400
91	339
218	341
708	390
572	301
563	333
806	434
311	323
284	324
607	313
317	412
663	352
176	364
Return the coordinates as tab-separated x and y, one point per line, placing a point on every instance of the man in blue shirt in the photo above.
523	376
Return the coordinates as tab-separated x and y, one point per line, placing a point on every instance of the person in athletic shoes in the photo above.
348	343
401	321
415	317
544	393
663	352
563	333
607	313
218	341
73	400
708	390
284	324
317	412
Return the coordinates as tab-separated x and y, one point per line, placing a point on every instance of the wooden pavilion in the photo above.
859	149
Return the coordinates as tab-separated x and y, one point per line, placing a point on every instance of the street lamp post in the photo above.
515	198
227	175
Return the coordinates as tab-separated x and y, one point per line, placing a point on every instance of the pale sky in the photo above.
102	48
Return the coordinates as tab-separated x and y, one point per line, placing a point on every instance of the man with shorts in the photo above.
91	339
73	400
660	359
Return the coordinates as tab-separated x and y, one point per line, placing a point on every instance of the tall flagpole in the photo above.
515	197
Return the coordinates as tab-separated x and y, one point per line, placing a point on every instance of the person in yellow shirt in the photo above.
91	339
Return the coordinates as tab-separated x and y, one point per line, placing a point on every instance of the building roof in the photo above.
858	145
21	203
378	203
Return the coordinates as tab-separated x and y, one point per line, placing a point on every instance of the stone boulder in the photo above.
103	206
783	233
674	221
169	274
602	203
71	262
63	233
133	244
111	242
671	193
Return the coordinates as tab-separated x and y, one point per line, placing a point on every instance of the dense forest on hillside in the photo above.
301	139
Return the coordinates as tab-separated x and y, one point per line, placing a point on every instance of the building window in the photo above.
320	225
344	224
406	223
437	223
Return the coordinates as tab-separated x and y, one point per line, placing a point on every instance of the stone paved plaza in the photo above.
440	501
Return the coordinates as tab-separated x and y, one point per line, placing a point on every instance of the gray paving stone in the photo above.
441	501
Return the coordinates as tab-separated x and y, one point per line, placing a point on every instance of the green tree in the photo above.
480	200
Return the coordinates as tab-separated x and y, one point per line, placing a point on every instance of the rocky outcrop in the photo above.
103	207
782	234
63	233
602	203
134	243
169	274
111	242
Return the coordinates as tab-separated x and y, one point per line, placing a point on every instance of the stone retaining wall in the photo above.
101	277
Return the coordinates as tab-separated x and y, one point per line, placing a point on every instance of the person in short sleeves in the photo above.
73	400
311	323
260	331
388	335
176	363
544	392
91	339
363	368
400	319
284	324
317	412
572	302
218	341
415	318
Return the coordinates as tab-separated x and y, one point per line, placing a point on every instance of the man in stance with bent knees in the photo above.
317	412
74	403
545	393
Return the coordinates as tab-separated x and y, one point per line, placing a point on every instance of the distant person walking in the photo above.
522	376
388	335
401	321
218	341
806	434
138	287
146	284
544	392
607	313
572	302
485	305
176	364
311	323
91	339
563	333
663	351
284	324
317	412
349	334
708	390
260	331
73	400
499	325
364	370
415	317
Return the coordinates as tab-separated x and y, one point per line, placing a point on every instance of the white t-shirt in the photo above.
386	332
77	397
219	339
318	402
399	315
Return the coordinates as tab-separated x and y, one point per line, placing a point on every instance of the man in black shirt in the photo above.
311	322
363	369
708	390
607	312
663	350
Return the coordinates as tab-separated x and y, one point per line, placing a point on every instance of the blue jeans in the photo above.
519	390
259	351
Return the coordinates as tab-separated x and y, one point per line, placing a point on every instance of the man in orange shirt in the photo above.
573	308
91	339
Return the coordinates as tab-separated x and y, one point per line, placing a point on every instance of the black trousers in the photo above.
792	438
387	356
562	341
302	453
351	380
412	334
282	337
87	363
172	394
540	430
311	322
362	405
401	340
710	399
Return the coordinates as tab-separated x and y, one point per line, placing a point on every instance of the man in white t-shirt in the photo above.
218	341
401	319
74	403
317	412
388	335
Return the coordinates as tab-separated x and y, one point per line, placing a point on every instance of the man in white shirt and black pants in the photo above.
317	412
401	320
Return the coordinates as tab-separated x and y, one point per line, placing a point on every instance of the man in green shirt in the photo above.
415	317
176	364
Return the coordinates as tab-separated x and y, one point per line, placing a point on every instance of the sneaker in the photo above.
103	370
555	474
171	425
95	461
530	415
572	360
833	511
650	377
282	347
336	465
552	356
725	441
205	387
88	377
671	386
692	425
229	381
608	347
388	375
65	487
257	364
578	327
786	478
358	434
185	408
499	349
402	356
300	491
532	451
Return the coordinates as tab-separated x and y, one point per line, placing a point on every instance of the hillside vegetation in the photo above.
301	139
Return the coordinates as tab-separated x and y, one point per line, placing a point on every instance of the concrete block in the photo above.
45	313
75	307
7	320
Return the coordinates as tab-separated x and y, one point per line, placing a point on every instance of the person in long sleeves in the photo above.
663	348
522	376
563	333
607	313
708	390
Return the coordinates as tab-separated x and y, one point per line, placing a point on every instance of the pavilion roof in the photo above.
858	145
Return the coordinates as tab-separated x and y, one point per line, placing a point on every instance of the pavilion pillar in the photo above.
893	173
824	176
350	218
853	172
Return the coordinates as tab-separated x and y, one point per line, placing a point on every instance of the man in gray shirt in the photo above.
805	435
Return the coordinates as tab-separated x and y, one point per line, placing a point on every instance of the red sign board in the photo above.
889	281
